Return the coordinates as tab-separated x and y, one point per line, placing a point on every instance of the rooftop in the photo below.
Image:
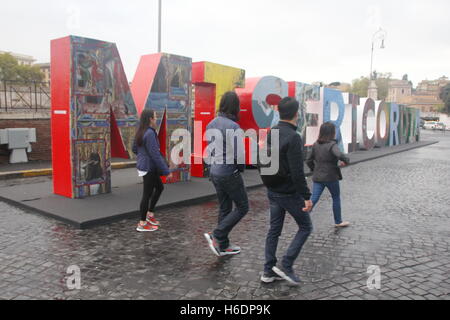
19	55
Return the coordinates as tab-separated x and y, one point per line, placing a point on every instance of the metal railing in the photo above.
24	96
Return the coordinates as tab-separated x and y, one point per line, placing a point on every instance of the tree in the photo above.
441	108
8	67
361	86
11	70
445	97
30	73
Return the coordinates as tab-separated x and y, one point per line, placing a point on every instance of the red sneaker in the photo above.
153	221
146	228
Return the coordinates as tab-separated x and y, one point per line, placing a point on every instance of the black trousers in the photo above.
153	188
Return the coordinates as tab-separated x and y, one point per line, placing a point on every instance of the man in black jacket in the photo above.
288	192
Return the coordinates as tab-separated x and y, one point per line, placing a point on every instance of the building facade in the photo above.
45	69
399	91
425	97
433	87
22	59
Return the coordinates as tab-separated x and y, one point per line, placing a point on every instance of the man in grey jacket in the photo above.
225	174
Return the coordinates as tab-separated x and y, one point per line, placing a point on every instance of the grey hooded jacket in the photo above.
323	162
219	165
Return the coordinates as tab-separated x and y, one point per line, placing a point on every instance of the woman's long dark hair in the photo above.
230	105
327	133
144	124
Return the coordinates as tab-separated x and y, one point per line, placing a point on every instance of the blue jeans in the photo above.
335	190
229	189
279	205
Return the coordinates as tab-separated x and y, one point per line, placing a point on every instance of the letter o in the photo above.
383	123
368	143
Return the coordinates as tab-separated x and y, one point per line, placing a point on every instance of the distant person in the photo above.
323	162
227	180
151	166
287	192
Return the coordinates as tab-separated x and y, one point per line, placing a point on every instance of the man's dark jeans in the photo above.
229	189
279	205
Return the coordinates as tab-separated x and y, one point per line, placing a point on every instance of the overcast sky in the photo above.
315	40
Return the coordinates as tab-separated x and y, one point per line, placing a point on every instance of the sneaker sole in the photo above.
267	280
270	280
223	254
143	230
285	276
211	245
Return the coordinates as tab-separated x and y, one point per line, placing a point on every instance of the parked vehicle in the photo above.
440	126
430	125
434	125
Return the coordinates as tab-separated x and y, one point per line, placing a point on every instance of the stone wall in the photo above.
42	150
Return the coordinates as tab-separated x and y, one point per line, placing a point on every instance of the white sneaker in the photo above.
344	224
269	277
213	245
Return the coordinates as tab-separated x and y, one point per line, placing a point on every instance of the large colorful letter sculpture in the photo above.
311	110
361	123
93	115
94	112
382	129
163	83
334	111
350	126
259	100
210	81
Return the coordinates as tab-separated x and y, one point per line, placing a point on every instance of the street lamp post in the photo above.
159	25
373	89
379	35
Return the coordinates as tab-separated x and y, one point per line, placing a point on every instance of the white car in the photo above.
430	125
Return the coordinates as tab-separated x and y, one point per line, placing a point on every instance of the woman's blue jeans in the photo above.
335	190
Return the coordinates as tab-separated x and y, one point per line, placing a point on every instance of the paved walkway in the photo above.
399	207
36	194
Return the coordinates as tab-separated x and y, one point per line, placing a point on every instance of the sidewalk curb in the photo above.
136	214
48	171
116	218
422	144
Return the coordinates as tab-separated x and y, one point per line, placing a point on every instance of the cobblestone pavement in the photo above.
399	207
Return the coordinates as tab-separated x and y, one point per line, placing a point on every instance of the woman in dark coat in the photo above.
323	162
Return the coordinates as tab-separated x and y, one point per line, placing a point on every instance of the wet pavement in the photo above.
398	206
